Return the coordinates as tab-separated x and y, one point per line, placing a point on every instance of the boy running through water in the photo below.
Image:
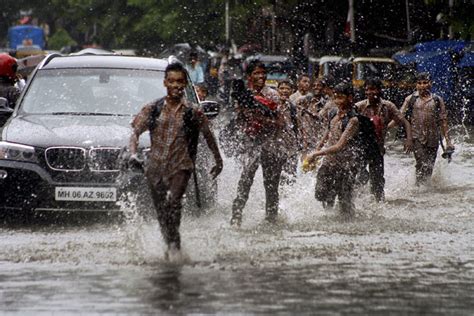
260	126
336	175
426	112
381	112
172	152
289	133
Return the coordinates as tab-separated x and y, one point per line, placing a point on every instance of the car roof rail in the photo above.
92	51
49	58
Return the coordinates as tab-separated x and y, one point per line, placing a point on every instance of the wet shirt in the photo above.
248	118
310	124
385	110
286	136
425	122
169	145
345	158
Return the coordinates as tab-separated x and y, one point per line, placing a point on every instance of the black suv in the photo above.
61	147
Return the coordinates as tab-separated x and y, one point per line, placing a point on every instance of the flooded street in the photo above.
413	254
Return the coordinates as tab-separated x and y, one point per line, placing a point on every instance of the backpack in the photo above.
365	141
401	133
191	125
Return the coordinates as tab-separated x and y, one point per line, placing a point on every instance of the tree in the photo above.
60	39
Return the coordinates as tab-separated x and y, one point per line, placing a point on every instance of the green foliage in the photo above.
143	24
152	24
60	39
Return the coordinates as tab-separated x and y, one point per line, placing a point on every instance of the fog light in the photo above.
3	174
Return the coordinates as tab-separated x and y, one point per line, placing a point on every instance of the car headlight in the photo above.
11	151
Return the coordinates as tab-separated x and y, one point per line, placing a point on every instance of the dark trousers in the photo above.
425	158
335	181
167	197
376	176
271	167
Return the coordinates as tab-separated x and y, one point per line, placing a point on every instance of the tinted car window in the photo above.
120	91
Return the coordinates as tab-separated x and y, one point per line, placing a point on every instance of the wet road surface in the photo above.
413	254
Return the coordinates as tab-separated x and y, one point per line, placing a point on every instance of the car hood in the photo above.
70	130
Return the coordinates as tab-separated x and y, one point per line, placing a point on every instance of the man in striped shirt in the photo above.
172	152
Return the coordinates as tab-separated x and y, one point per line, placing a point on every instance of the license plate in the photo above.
85	194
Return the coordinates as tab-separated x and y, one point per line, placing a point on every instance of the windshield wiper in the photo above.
89	113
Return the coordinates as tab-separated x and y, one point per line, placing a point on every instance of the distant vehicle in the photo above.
372	67
26	40
61	147
278	67
381	68
26	51
356	70
313	67
26	35
337	67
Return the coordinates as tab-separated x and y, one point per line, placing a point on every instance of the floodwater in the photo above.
413	254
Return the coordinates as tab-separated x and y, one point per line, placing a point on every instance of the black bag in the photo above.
365	142
191	125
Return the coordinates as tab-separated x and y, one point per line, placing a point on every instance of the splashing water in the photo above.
410	254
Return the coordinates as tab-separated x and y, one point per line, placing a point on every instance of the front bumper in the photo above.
28	186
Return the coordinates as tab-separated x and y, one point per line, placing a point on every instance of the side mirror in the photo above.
210	108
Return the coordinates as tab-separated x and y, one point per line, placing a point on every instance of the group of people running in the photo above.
318	124
276	127
327	122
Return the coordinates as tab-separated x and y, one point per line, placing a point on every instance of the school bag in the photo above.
365	142
191	125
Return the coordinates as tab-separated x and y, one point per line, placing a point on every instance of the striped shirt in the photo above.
169	145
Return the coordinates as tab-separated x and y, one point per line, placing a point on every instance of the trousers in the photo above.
167	194
272	164
425	158
336	181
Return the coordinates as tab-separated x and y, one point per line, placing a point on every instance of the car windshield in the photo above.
94	91
374	70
